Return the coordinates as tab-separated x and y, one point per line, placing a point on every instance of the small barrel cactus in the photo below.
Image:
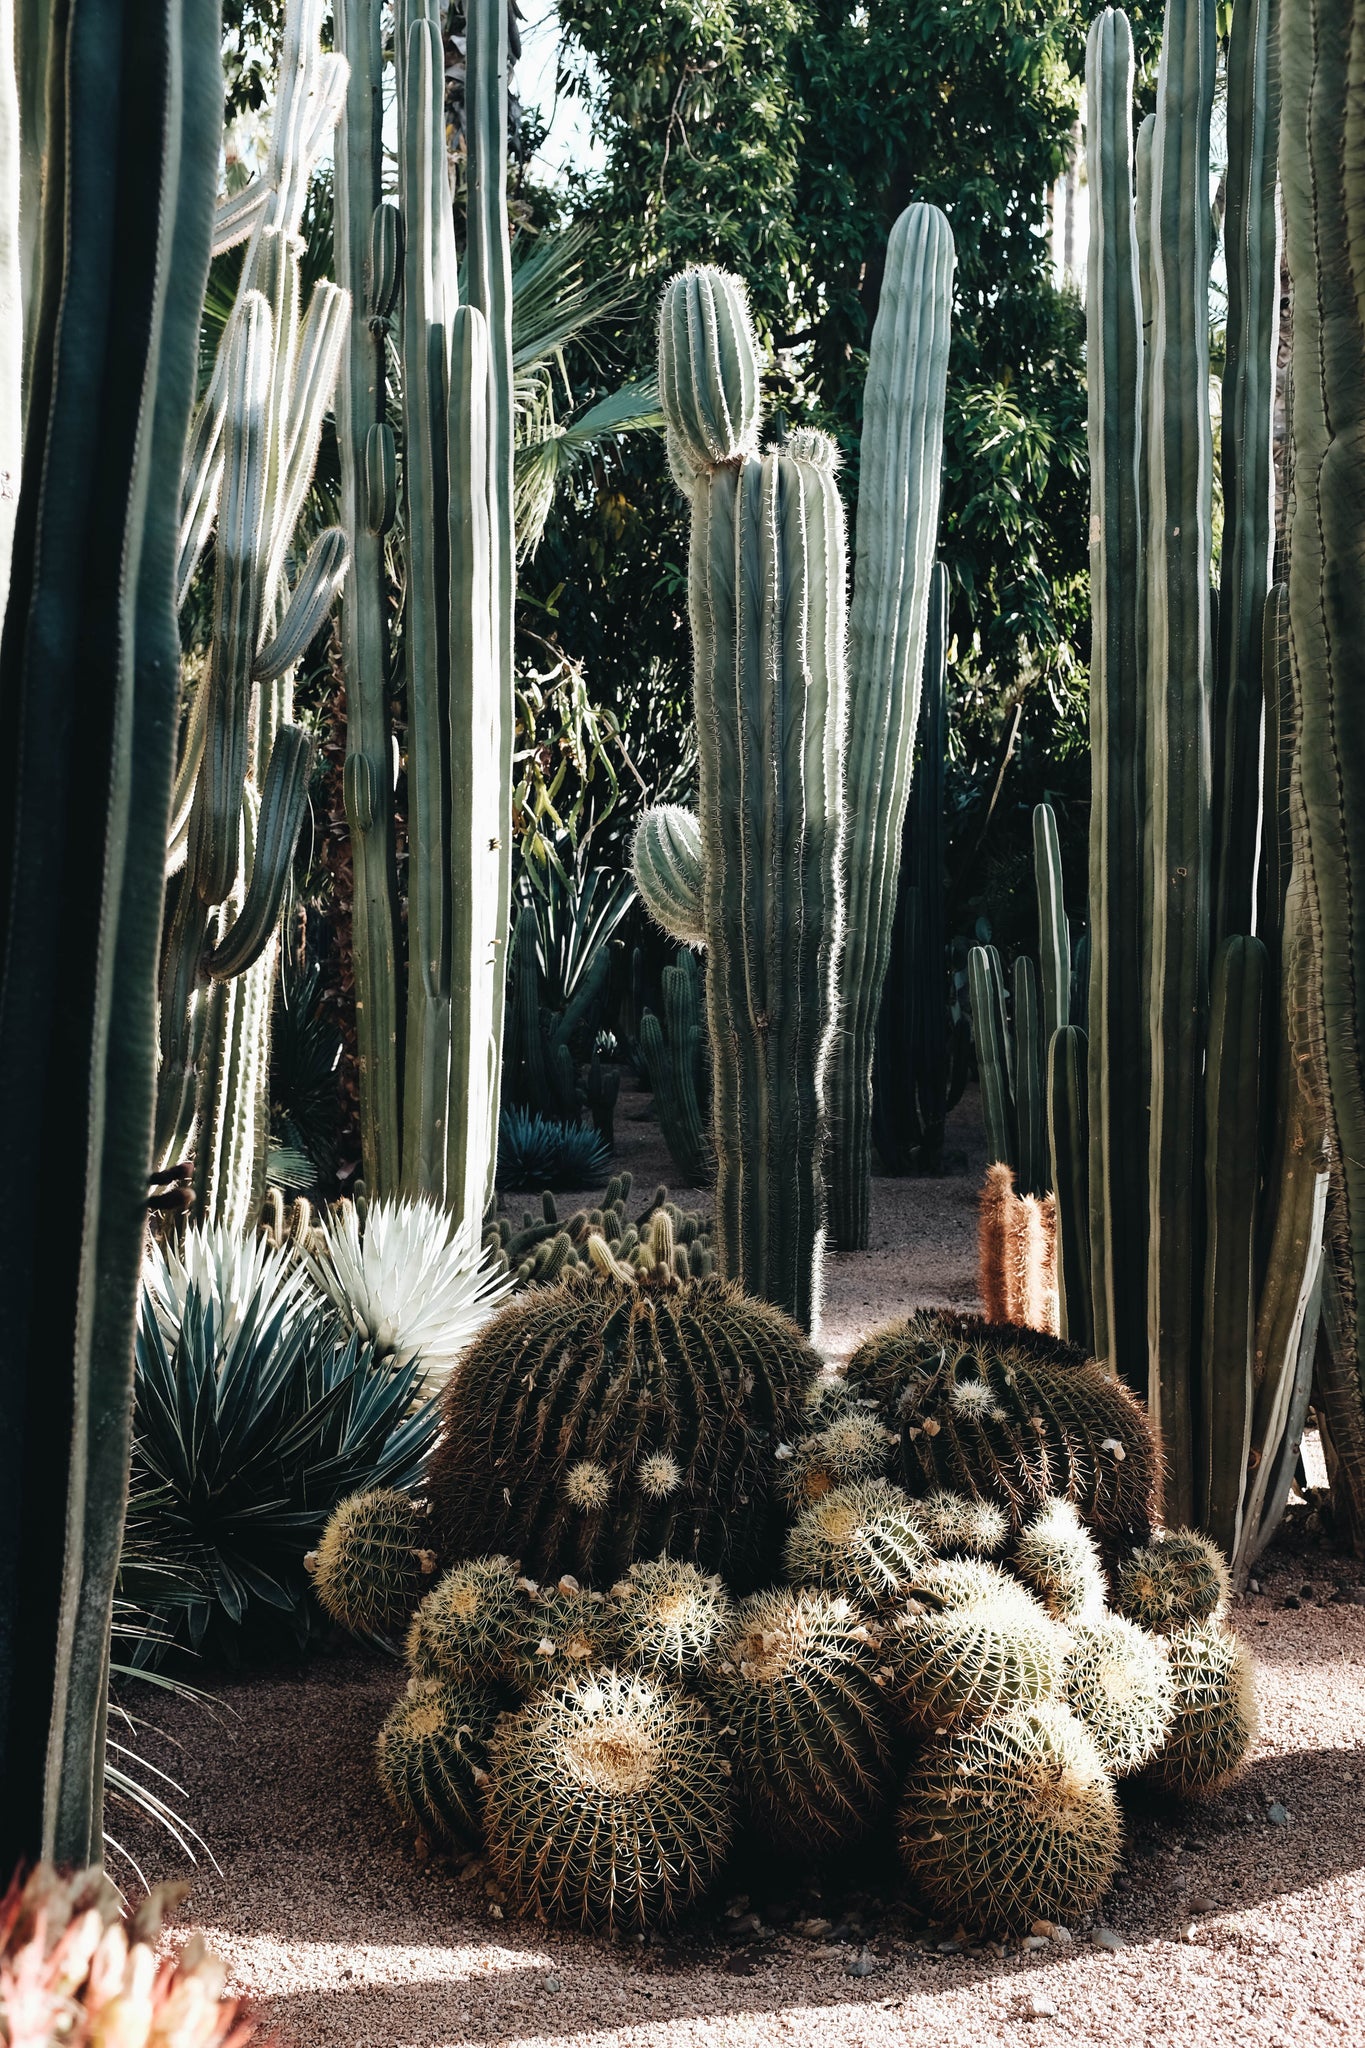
1117	1679
666	1617
618	1415
1214	1717
1011	1820
859	1540
954	1525
374	1561
431	1754
608	1802
851	1446
563	1632
795	1680
1012	1416
1178	1579
1057	1559
465	1630
970	1641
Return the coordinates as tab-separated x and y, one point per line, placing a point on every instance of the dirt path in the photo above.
1238	1924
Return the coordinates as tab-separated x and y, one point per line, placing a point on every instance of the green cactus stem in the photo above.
1179	1579
430	1756
373	1563
668	863
677	1061
1056	1557
898	496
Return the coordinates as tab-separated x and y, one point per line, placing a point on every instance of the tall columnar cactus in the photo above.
434	1125
767	607
88	687
1321	168
244	765
803	782
898	495
1228	1236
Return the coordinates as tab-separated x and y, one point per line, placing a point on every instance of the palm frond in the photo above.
548	451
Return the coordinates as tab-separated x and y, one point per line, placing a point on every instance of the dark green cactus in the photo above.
795	1682
1010	1821
860	1540
1180	1578
1321	182
608	1802
1068	1122
1011	1416
548	1245
430	1755
677	1060
562	1632
620	1414
374	1562
852	1445
467	1628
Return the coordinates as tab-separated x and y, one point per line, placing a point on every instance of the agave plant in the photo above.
537	1151
250	1431
232	1270
410	1282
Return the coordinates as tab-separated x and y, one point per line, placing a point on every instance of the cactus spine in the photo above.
434	1125
247	470
897	533
1321	177
88	701
1232	1240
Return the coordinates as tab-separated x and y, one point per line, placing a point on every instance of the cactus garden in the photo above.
678	1023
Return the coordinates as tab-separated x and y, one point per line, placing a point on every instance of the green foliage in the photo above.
545	1152
617	1415
795	1678
608	1802
1010	1821
252	1431
430	1755
1013	1416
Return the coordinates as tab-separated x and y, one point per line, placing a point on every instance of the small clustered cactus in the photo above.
466	1626
74	1970
954	1525
562	1632
1214	1716
667	1617
1013	1416
1177	1579
860	1540
1117	1679
608	1801
968	1642
851	1446
430	1754
547	1246
1057	1559
374	1562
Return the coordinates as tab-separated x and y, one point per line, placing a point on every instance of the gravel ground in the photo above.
1239	1922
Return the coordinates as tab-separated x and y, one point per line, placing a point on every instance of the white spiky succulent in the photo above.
408	1278
230	1269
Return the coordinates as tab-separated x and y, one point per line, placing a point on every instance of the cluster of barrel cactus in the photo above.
1009	1614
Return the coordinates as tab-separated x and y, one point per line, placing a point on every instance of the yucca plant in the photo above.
407	1279
253	1435
229	1268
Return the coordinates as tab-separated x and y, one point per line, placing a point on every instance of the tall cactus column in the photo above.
1323	173
766	597
898	497
89	677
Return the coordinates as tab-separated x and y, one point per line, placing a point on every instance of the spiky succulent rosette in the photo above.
608	1801
665	1618
969	1641
860	1540
1056	1558
469	1624
794	1679
621	1414
373	1562
1214	1716
1014	1416
852	1446
562	1632
431	1753
954	1525
1179	1578
1011	1820
1117	1679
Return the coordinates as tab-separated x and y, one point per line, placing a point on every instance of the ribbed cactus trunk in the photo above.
89	676
244	763
1231	1212
1323	174
11	297
898	497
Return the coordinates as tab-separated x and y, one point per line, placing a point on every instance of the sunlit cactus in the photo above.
969	1641
1179	1578
666	1617
1214	1714
861	1540
1117	1679
469	1625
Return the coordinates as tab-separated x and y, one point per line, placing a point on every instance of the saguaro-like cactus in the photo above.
1323	173
1231	1225
88	697
433	1125
898	493
783	760
242	785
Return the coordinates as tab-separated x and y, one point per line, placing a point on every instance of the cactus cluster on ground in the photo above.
606	1730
